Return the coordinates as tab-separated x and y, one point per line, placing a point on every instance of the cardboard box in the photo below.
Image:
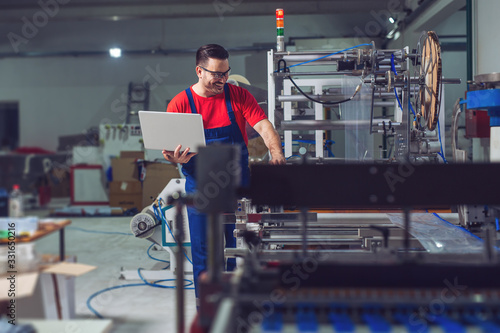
124	169
126	201
157	177
125	187
132	154
125	194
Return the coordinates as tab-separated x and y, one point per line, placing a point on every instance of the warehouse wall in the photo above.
64	95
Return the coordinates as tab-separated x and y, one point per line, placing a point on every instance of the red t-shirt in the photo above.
214	111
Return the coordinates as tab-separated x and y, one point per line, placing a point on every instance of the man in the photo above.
224	108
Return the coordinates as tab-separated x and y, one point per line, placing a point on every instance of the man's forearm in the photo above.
271	138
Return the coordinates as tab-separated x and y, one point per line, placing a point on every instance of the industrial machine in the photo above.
383	104
155	223
329	244
481	108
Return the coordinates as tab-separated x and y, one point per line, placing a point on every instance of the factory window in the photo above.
9	125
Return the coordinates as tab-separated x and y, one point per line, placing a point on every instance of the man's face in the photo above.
213	82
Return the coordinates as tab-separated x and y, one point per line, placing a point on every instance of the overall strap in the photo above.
234	124
227	97
191	100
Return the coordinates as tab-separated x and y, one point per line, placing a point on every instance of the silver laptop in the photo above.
167	130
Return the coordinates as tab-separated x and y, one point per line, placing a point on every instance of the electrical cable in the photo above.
144	283
393	68
441	144
153	284
149	255
162	218
329	55
358	88
286	69
292	156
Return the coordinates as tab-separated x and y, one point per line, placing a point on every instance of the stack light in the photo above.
280	30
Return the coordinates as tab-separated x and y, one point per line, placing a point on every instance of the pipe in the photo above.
302	98
99	53
469	39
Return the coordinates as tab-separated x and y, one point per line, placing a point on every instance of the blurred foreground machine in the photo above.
450	285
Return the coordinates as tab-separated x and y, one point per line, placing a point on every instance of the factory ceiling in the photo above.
12	10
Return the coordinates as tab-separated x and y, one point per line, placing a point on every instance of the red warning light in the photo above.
279	13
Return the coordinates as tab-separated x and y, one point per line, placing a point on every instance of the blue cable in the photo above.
393	67
162	218
101	232
441	144
159	285
292	156
145	283
105	290
328	55
149	255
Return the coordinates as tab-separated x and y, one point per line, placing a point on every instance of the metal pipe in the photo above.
311	125
469	39
451	80
329	241
413	80
302	98
179	236
313	53
302	58
313	73
303	214
319	125
384	104
385	95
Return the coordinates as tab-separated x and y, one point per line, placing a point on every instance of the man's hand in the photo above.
277	160
271	140
176	156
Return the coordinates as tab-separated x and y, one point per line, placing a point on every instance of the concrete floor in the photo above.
132	309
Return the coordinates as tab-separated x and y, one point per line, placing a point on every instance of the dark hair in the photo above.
213	51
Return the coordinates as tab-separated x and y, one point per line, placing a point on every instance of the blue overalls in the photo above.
230	134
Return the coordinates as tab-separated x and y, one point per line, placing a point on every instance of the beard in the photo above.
216	87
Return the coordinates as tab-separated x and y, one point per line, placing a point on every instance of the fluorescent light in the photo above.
391	19
115	52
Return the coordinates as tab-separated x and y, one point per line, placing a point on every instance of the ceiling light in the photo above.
115	52
391	19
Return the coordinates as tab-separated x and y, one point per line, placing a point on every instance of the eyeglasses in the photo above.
218	75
